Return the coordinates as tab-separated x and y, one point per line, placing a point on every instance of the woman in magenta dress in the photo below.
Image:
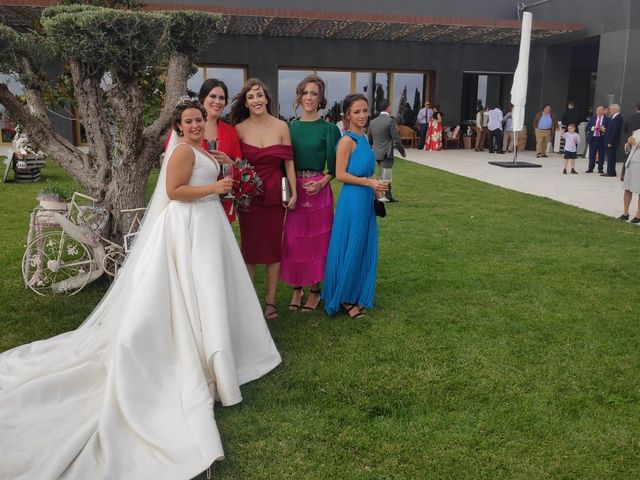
266	144
307	229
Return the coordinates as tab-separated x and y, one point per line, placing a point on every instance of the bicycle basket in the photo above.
92	220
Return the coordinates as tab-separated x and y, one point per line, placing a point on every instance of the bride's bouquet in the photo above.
246	184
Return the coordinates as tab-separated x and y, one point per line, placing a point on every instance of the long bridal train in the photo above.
129	394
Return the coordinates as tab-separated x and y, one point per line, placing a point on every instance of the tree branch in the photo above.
175	87
47	140
89	96
33	91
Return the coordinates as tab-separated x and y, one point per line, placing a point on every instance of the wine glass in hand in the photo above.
227	172
307	179
385	177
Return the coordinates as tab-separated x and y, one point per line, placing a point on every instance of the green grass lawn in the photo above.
504	343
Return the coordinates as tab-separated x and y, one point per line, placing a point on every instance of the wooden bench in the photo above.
407	134
27	168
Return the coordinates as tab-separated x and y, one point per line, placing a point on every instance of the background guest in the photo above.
507	139
494	124
631	177
307	228
571	141
595	139
544	123
612	139
424	118
384	136
633	122
266	144
350	277
481	129
572	115
409	116
433	139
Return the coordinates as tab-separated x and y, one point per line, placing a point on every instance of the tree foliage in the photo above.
402	102
113	62
417	105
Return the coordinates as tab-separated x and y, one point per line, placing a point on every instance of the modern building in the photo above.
456	54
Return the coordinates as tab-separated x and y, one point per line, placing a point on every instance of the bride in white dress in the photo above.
129	394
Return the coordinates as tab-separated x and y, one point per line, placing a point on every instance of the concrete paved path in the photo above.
589	191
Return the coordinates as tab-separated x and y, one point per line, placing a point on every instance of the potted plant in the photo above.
53	197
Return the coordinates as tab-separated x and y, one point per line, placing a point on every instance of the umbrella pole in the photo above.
515	147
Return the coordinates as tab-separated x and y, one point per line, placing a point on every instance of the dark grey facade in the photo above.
597	62
606	48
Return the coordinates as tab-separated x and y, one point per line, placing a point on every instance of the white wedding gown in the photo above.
129	394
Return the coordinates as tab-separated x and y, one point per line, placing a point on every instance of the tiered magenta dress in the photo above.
261	224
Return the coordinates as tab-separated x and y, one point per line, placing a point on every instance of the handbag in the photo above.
379	208
285	190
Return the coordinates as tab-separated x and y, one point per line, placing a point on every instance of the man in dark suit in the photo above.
572	115
595	139
384	136
633	122
612	139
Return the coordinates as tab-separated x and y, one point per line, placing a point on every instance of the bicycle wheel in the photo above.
54	262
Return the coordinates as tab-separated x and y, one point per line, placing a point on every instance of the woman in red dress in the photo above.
265	144
433	141
214	96
218	134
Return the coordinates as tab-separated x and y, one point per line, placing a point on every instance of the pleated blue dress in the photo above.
353	249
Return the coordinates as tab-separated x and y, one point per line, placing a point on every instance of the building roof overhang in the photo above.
270	22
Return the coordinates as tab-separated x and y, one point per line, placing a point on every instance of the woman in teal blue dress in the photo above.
350	276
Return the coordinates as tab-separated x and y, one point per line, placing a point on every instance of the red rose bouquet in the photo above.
246	184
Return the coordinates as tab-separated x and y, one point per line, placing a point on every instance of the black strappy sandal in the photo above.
311	309
272	315
294	307
347	309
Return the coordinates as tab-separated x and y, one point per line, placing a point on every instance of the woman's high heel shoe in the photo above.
294	307
311	309
348	308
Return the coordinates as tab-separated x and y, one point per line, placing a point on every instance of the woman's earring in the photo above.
180	133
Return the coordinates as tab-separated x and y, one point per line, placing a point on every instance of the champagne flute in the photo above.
212	145
227	172
306	179
385	177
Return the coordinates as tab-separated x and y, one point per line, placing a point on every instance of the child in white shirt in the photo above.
571	141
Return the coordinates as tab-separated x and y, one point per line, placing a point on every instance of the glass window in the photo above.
195	82
483	82
376	86
407	88
234	78
287	82
338	86
7	125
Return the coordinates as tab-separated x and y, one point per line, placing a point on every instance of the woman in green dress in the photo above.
307	229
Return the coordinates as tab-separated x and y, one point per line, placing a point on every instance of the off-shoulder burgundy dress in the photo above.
261	224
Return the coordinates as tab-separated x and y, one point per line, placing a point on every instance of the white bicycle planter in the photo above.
65	249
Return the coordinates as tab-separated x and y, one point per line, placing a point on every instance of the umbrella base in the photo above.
516	164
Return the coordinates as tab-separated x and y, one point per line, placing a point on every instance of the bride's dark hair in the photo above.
182	105
239	111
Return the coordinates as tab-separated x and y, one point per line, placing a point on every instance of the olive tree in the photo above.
107	53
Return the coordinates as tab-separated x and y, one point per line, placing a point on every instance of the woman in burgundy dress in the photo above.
266	144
